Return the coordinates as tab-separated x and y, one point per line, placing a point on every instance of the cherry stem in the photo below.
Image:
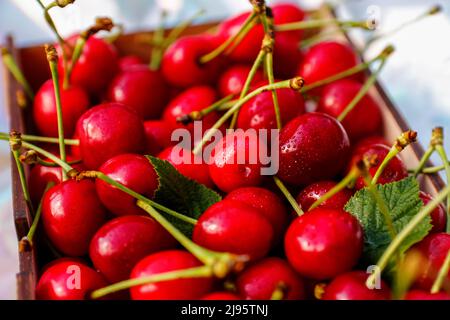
311	24
271	77
220	49
198	115
31	138
423	161
158	37
442	274
178	30
11	65
402	141
113	36
32	157
52	58
294	83
280	291
294	204
430	170
404	233
197	272
312	40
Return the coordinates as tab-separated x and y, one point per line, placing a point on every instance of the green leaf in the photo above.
181	194
402	200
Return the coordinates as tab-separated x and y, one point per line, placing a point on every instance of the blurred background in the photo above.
416	77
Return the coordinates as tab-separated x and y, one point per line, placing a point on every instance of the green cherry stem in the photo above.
271	78
31	138
32	157
294	204
178	30
442	275
197	272
198	115
158	37
280	292
423	161
13	68
312	24
430	170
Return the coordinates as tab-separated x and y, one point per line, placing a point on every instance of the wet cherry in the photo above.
315	191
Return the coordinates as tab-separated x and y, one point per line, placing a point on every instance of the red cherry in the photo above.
231	164
395	170
129	61
326	59
221	295
286	55
426	295
438	215
285	13
107	130
369	141
74	103
188	164
96	66
158	136
140	89
178	289
259	113
134	172
235	227
68	279
260	280
352	286
233	79
181	62
267	202
124	241
315	191
313	147
365	118
323	243
71	214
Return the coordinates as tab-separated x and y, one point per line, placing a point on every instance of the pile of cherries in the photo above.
120	110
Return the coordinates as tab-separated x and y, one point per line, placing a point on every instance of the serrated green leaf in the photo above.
181	194
403	202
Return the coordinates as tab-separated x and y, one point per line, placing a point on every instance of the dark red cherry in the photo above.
323	243
259	112
426	295
395	170
134	172
260	280
108	130
221	295
178	289
129	61
74	101
68	279
71	214
352	286
235	161
235	227
158	134
313	147
326	59
181	64
286	55
122	242
140	89
285	13
96	66
367	142
188	164
438	215
269	205
365	118
315	191
233	79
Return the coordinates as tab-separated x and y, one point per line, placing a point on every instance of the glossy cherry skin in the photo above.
158	135
178	289
394	171
233	79
285	13
181	62
59	281
129	61
325	59
438	215
365	118
134	172
96	66
108	130
71	214
261	279
221	295
188	164
323	243
269	205
259	112
235	227
369	141
352	286
315	191
426	295
434	249
140	89
313	147
74	101
230	164
122	242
